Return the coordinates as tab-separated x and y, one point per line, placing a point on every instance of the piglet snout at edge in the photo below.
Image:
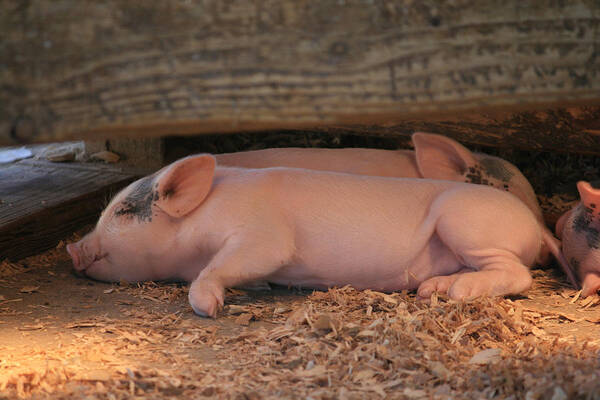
74	253
84	253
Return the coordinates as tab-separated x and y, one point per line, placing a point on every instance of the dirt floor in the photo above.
64	336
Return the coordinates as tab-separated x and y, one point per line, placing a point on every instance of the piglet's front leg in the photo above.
238	263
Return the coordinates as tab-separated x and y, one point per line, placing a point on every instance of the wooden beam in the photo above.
142	156
89	70
42	203
562	130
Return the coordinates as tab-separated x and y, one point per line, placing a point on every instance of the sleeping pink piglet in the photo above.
434	157
224	227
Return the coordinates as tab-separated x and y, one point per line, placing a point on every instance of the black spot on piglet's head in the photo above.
138	203
496	168
582	223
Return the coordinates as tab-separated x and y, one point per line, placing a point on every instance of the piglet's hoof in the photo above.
463	290
437	284
206	298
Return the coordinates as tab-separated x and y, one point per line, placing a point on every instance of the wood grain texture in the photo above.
42	203
143	155
562	130
89	69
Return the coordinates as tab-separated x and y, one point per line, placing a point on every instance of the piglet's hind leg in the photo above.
438	284
492	233
501	276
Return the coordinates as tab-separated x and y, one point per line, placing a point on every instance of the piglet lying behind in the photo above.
225	227
434	157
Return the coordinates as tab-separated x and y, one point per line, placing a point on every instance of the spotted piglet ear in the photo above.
182	186
590	195
439	157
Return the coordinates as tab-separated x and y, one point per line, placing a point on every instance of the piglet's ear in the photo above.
589	193
183	185
439	157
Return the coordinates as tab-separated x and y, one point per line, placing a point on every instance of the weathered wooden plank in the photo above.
573	130
87	69
42	203
142	155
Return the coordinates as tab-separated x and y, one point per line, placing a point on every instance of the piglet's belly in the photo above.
383	273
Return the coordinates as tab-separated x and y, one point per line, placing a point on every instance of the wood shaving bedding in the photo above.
103	341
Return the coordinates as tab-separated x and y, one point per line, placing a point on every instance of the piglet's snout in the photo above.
74	252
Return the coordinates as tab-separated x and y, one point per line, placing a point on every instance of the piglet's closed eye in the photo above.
184	185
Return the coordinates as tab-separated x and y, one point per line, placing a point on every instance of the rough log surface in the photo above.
563	130
41	203
87	69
